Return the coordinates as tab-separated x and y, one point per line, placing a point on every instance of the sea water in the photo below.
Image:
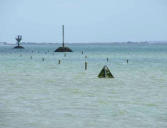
44	94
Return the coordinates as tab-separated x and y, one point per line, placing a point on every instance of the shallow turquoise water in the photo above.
37	94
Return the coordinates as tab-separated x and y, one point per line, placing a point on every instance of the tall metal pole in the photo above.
63	34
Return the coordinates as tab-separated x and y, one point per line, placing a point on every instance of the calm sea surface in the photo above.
45	94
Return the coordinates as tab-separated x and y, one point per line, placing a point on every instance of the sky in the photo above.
84	20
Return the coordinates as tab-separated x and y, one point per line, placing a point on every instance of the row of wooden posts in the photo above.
59	61
86	63
104	73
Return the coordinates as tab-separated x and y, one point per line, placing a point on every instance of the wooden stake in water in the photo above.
59	61
85	58
82	52
107	59
86	65
127	61
43	59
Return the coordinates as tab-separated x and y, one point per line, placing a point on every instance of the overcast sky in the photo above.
84	20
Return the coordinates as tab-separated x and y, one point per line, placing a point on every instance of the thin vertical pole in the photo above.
63	35
127	61
86	65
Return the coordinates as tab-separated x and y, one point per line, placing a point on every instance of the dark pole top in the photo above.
63	35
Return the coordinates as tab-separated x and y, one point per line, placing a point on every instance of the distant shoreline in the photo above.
93	43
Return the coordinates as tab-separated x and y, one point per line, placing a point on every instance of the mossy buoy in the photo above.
105	73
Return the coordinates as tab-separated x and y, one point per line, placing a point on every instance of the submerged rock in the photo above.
105	73
21	47
63	49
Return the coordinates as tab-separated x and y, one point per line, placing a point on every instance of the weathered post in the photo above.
107	59
86	65
59	61
127	61
63	35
